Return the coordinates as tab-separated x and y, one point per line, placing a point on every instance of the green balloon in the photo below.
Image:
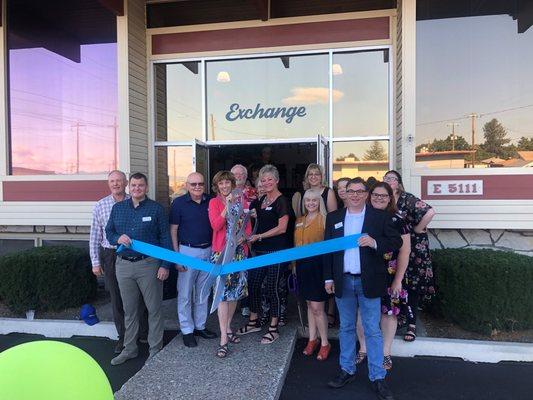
49	370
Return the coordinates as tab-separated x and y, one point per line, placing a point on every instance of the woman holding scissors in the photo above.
227	206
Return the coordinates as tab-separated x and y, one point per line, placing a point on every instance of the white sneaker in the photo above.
245	312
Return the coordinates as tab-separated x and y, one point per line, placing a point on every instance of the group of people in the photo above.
375	286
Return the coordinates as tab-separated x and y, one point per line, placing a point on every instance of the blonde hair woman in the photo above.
314	178
272	217
310	229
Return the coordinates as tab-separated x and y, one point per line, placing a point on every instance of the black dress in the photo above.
309	271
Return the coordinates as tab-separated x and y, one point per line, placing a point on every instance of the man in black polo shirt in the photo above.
139	218
191	235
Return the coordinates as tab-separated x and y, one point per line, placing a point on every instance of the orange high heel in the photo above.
323	352
311	347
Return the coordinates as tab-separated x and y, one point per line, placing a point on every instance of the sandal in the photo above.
310	348
233	338
222	351
332	320
387	362
323	353
410	335
271	336
282	320
360	357
251	327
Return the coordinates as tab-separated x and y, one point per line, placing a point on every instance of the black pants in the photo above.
271	275
108	260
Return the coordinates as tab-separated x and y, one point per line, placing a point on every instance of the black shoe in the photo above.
205	333
119	346
382	390
340	380
189	340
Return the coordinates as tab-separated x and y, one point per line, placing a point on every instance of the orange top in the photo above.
313	232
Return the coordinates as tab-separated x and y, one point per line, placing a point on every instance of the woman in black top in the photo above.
272	213
314	179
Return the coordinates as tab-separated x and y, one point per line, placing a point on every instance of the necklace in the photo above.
267	201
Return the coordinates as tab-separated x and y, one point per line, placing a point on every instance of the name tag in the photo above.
147	219
338	225
268	208
300	224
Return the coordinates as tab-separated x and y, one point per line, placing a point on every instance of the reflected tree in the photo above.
496	139
376	152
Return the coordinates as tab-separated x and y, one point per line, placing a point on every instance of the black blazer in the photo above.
378	224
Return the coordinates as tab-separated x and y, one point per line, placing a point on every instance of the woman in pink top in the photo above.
236	287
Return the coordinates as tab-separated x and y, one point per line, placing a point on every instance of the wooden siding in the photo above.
138	87
54	190
298	34
46	213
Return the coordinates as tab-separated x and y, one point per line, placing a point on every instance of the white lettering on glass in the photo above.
288	113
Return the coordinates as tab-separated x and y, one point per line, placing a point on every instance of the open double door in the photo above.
209	158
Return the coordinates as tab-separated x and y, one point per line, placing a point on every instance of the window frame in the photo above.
257	55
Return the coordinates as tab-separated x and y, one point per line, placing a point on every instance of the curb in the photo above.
65	328
467	350
57	328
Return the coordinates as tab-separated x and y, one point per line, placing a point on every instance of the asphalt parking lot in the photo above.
419	378
101	349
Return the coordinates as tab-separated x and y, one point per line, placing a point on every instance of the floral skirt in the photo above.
236	284
394	305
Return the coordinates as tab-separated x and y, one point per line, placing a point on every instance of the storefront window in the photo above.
474	85
174	164
178	101
360	158
361	93
268	98
62	88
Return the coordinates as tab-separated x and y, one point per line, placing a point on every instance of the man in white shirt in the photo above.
357	276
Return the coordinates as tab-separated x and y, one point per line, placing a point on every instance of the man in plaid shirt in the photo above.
103	257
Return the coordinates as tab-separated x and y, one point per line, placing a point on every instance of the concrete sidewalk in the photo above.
250	371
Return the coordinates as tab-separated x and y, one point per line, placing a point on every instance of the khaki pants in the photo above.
108	260
136	279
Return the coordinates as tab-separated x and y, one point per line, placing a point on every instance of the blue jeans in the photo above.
353	297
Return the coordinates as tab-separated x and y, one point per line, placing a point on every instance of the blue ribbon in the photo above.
296	253
171	256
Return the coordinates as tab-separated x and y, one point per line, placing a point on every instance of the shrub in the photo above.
484	290
46	278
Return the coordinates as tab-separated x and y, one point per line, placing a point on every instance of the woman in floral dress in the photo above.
419	275
221	208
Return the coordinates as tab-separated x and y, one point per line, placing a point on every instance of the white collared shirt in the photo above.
353	224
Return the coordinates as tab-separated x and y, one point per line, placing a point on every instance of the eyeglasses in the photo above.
359	192
194	184
379	196
390	178
314	174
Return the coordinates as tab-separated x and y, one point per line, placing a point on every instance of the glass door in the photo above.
322	156
200	161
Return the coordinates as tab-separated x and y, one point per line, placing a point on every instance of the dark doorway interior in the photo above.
291	159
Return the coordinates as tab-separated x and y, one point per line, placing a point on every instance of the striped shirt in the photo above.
98	238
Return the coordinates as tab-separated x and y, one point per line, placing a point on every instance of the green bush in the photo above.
46	278
484	290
